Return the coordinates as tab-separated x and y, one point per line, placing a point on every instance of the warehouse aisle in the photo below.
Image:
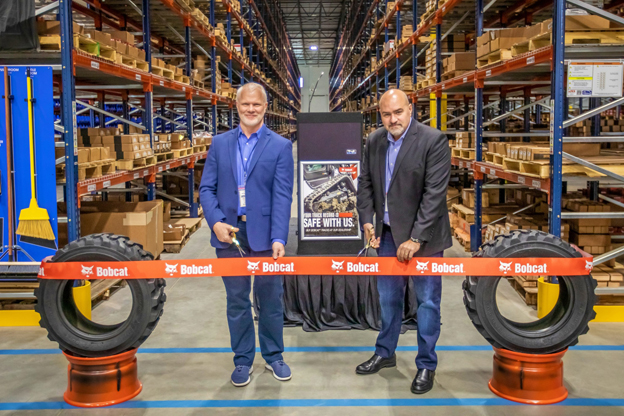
186	364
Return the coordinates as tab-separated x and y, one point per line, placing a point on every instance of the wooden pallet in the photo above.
469	154
142	65
594	37
102	289
540	41
161	157
191	224
178	153
463	238
528	294
108	53
198	84
494	158
452	74
199	149
520	48
182	78
536	168
130	164
494	57
163	72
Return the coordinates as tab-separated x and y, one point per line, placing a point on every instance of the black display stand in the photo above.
329	137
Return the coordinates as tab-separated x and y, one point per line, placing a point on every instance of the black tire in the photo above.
553	333
80	336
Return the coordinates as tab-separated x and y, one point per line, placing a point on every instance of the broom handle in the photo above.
9	145
31	138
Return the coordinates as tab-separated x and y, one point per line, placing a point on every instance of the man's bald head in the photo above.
393	95
396	112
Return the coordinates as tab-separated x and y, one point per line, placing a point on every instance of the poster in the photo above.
328	192
595	79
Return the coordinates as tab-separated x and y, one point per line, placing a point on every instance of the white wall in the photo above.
320	102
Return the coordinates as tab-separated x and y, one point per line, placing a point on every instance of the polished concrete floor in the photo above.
186	364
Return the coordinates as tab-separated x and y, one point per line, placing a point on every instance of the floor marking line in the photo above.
227	350
408	402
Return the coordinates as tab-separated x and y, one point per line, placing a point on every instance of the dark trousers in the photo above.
391	297
269	291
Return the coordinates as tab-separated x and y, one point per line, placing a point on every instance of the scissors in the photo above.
367	246
237	243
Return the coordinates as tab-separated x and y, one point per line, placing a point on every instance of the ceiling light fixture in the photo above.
313	48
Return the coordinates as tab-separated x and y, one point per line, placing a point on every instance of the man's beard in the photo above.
256	120
397	130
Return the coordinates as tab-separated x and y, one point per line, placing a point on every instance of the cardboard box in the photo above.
173	232
487	37
142	222
166	211
468	198
587	22
123	36
132	52
121	139
600	240
176	137
94	154
461	61
506	38
483	50
53	27
102	38
121	47
125	147
178	145
130	155
141	54
83	154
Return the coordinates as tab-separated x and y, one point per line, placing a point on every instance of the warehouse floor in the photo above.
186	364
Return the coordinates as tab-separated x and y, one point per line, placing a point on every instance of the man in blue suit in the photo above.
246	188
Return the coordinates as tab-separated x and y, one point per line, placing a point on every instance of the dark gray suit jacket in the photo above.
417	193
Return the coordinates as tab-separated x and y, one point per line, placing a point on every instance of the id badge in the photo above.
241	197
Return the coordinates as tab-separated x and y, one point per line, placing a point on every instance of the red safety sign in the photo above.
475	266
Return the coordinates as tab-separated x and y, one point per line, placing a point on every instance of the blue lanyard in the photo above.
245	165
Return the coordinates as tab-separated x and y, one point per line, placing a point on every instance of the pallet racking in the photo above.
534	78
176	29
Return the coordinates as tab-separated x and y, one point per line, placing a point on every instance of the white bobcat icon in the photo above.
87	271
505	267
252	267
337	266
589	265
171	268
421	267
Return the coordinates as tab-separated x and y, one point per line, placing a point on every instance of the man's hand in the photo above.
407	250
369	235
223	232
278	250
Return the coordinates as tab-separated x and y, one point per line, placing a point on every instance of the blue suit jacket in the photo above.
268	191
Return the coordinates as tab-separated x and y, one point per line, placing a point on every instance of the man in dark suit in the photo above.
405	172
246	188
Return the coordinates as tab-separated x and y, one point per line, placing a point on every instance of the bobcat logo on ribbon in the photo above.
87	271
171	268
337	266
589	266
252	267
422	267
505	267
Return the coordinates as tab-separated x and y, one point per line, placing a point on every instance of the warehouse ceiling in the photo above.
313	23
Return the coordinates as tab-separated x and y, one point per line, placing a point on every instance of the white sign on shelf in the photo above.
595	79
95	65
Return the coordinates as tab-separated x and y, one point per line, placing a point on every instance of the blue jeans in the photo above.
391	297
269	291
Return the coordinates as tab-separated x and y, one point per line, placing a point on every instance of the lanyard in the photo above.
245	165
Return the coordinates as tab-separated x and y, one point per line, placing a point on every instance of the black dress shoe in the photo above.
375	364
423	382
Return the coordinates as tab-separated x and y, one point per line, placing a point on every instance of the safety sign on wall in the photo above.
595	79
328	192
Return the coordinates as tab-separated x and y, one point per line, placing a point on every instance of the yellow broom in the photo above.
33	221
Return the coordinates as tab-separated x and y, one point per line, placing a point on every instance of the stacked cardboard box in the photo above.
406	32
162	143
590	234
406	84
179	141
458	63
464	140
